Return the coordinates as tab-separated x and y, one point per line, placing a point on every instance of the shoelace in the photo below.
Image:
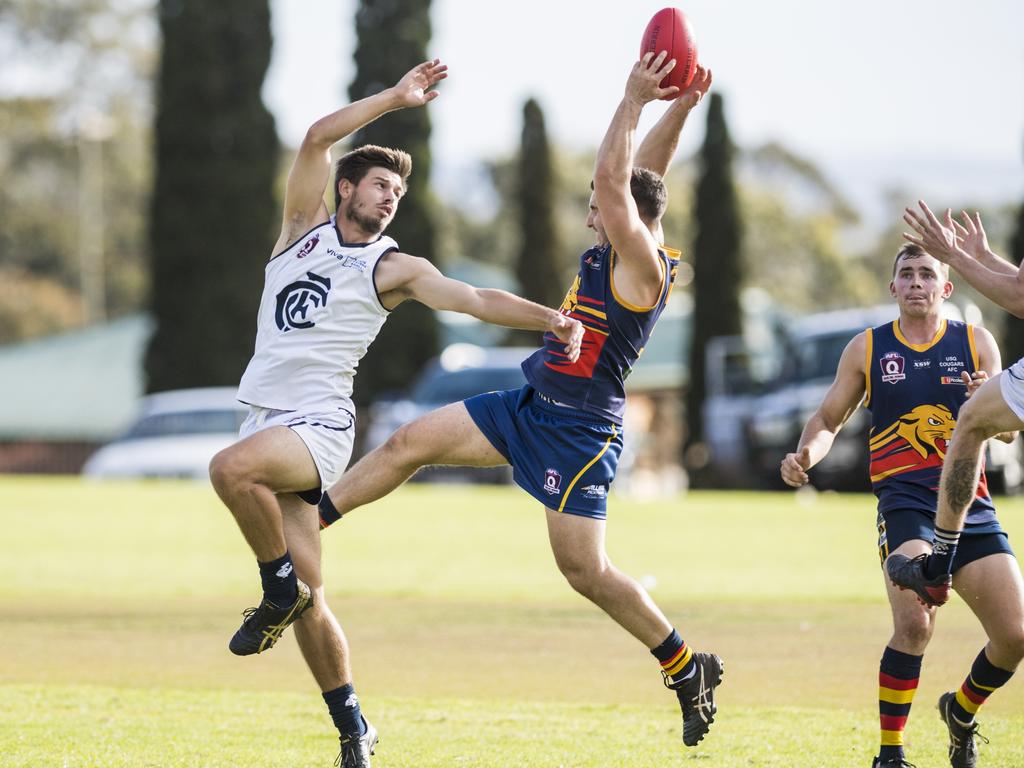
351	748
971	733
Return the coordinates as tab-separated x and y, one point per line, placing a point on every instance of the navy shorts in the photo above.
976	541
563	457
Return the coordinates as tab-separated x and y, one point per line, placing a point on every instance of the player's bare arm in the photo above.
940	239
989	364
400	276
971	235
659	145
304	206
839	403
638	271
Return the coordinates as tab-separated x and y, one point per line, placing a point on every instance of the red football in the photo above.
671	31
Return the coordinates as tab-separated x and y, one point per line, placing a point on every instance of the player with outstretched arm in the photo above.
331	283
562	433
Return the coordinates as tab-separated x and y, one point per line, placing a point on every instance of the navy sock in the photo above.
343	704
940	561
280	585
328	513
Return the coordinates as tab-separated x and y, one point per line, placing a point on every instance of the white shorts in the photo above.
1011	384
327	434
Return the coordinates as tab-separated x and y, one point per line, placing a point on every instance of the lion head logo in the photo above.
923	429
572	297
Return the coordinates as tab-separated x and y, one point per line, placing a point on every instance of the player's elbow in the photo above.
317	136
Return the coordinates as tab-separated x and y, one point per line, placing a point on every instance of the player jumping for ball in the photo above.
330	285
562	433
915	375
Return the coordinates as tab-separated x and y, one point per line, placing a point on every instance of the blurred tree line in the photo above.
75	113
78	143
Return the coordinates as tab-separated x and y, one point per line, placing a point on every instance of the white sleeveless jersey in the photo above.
318	315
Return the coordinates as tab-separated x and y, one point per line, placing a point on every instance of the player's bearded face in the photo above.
365	213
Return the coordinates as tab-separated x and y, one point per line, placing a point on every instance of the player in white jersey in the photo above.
329	288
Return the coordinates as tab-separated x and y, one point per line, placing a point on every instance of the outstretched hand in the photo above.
413	90
691	95
937	237
570	333
971	234
794	468
644	80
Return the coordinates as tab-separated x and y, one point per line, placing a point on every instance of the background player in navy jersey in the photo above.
562	433
328	290
914	374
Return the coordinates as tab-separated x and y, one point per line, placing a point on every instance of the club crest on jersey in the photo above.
552	482
307	247
893	365
296	301
592	258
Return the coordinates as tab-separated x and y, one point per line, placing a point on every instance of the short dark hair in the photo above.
354	165
648	192
914	251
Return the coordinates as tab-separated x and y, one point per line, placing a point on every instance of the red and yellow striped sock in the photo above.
898	674
985	678
676	658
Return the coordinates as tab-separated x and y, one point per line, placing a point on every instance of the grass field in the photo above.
117	601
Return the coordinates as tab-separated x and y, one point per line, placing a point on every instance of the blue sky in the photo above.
927	96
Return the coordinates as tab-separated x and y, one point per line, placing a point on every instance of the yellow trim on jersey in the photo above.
870	338
595	312
589	464
973	346
918	347
661	290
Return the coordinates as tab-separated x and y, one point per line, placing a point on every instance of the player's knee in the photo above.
1011	642
403	447
914	632
585	575
227	471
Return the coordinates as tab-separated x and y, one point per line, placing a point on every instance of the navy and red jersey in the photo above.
614	335
914	393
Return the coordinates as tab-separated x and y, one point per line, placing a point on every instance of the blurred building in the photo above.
63	396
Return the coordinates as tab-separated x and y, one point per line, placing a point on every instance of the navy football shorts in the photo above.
563	457
976	541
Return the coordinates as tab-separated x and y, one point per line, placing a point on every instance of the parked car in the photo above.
460	371
750	427
175	435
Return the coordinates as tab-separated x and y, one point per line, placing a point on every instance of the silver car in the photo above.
175	435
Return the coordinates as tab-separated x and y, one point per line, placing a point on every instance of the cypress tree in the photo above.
716	260
392	38
538	266
213	214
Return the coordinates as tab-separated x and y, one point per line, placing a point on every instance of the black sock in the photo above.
280	585
343	704
328	513
940	561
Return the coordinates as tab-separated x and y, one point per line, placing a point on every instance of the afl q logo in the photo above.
296	301
893	366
